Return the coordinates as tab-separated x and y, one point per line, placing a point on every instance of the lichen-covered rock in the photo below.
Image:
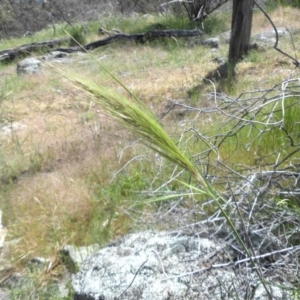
269	37
211	42
57	56
4	295
161	266
138	266
29	65
11	128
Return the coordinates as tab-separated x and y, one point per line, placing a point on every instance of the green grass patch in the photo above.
77	35
217	23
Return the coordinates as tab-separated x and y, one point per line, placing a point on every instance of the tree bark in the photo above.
239	45
240	30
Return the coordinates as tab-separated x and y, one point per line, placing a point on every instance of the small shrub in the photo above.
77	34
215	24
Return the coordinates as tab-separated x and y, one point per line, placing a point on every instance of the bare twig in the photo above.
295	61
215	266
142	265
161	263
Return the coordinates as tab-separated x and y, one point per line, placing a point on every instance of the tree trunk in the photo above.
240	30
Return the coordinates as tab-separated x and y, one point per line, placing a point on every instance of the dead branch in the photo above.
138	38
236	263
25	50
11	54
142	265
295	61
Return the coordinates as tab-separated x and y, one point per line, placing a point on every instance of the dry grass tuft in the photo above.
46	205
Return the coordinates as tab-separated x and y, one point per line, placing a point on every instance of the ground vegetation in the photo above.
71	175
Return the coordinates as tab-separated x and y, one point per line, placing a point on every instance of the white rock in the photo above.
29	65
12	127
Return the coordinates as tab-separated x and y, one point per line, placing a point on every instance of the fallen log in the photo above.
22	51
138	38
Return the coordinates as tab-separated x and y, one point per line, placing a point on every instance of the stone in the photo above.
38	264
265	37
57	56
269	37
137	267
211	42
4	295
15	280
162	265
12	127
29	65
219	60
